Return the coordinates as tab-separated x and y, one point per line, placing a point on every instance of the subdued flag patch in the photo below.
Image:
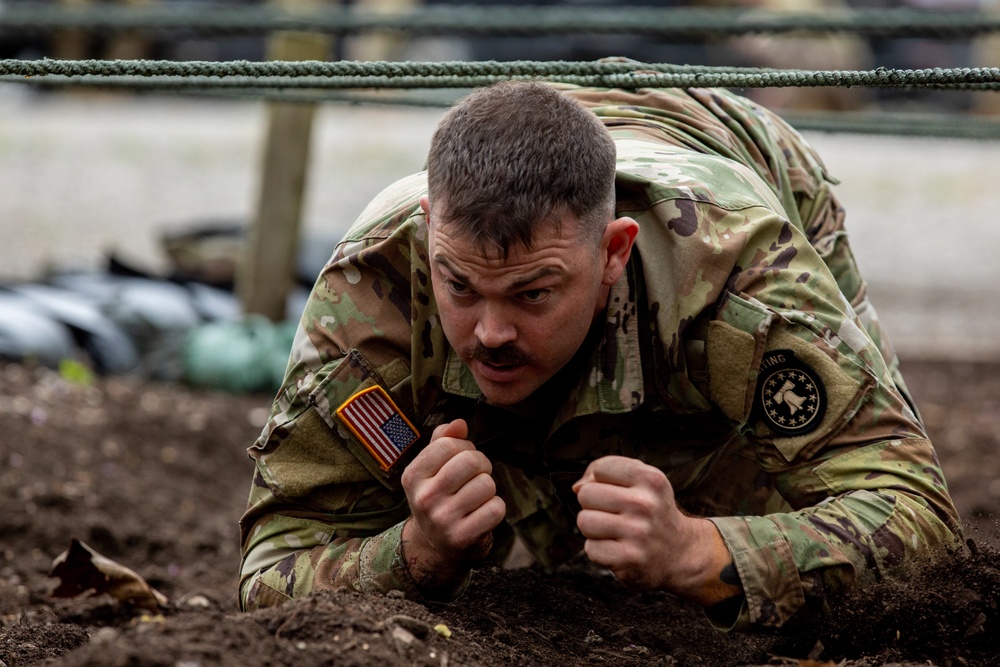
379	424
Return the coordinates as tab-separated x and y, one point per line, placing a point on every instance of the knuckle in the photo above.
488	487
595	552
450	447
421	501
497	509
470	462
585	496
445	447
643	504
411	478
653	477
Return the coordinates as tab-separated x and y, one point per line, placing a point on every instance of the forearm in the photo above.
709	579
787	562
371	564
438	579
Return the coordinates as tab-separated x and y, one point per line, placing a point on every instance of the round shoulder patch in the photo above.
790	397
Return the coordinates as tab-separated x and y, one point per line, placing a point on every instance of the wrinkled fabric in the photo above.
820	476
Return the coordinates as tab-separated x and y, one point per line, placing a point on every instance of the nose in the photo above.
494	328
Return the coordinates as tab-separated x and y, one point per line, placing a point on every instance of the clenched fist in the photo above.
454	509
634	528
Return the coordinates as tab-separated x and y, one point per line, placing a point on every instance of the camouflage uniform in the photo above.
739	354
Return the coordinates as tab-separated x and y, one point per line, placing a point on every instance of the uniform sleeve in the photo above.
318	518
313	555
323	511
792	365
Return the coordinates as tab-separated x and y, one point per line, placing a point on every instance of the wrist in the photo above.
437	577
704	578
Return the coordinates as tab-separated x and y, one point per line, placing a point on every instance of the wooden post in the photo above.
267	269
71	43
986	53
78	44
380	46
129	44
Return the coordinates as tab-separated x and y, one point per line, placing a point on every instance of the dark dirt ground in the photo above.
155	477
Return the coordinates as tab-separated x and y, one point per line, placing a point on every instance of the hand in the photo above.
634	528
454	508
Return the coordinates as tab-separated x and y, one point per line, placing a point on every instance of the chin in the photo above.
504	397
511	389
503	394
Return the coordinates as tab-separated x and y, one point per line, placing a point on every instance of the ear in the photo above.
425	204
616	246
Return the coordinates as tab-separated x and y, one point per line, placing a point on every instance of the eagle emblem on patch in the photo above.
790	397
380	426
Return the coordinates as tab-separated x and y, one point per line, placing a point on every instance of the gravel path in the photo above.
85	174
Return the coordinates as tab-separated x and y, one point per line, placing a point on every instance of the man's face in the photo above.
515	322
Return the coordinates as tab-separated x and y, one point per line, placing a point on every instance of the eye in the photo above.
535	295
458	289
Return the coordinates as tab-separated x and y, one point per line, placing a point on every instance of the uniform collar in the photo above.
611	380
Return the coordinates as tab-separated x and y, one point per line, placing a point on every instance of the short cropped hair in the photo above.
516	154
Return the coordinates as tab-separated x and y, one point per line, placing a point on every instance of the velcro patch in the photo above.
380	426
790	397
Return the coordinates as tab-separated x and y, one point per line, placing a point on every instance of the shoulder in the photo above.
389	210
654	172
388	241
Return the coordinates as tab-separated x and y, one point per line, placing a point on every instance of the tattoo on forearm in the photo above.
410	559
730	576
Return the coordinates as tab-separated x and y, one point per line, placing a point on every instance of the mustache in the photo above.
505	355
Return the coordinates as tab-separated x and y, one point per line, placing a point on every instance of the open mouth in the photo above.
498	372
500	366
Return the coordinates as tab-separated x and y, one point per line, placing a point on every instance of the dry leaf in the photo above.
81	570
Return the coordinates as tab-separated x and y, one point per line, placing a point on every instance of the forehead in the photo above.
557	249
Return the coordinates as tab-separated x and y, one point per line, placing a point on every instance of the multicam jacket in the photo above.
739	354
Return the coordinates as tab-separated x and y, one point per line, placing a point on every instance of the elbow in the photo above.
270	587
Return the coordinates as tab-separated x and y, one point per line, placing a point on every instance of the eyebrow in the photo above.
459	276
513	287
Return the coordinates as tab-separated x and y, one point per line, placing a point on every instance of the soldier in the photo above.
627	323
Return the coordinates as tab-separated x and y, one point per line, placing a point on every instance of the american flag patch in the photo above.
379	424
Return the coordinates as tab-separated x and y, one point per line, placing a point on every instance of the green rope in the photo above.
897	124
871	123
380	74
677	23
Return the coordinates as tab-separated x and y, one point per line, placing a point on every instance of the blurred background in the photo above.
99	188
